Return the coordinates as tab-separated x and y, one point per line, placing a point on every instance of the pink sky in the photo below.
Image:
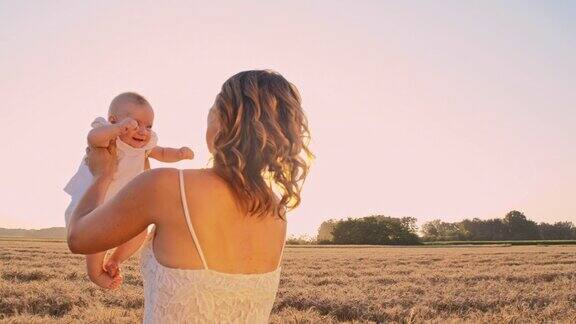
428	109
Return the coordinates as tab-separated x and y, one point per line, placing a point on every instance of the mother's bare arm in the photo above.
96	227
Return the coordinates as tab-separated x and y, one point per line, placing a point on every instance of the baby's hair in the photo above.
126	98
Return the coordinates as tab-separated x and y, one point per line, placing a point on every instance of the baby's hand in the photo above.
186	153
127	124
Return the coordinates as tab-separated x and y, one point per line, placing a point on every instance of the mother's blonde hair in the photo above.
261	146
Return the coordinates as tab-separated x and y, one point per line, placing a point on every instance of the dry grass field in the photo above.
42	282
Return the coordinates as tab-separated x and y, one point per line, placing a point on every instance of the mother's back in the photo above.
232	241
229	284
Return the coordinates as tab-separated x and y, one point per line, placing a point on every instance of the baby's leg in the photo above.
124	251
96	273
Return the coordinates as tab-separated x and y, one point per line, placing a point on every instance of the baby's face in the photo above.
144	115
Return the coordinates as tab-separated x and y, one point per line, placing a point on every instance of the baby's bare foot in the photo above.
104	280
112	267
116	282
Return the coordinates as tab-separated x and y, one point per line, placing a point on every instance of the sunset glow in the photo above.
433	110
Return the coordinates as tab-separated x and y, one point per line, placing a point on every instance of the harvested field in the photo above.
43	282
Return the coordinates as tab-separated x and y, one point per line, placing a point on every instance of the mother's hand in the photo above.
102	162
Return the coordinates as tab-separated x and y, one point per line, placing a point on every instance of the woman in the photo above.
219	233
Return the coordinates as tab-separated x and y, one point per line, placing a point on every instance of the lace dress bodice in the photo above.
174	295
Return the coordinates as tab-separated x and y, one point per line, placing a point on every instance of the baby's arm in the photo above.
101	136
168	154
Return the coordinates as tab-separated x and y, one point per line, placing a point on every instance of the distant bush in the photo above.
300	240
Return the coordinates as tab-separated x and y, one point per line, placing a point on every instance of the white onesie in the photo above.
130	164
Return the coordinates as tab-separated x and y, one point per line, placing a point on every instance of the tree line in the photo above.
513	227
385	230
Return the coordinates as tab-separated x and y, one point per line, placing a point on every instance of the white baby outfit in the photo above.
130	164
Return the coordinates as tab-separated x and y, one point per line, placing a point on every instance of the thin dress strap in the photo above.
188	221
281	253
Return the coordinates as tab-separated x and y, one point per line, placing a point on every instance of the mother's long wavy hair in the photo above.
261	147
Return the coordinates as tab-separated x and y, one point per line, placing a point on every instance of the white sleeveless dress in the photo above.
203	295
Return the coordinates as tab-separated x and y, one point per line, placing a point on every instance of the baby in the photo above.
129	123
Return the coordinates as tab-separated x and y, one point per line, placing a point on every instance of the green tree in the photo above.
519	227
438	230
376	230
484	230
557	231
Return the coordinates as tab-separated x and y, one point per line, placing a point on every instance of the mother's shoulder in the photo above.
192	177
205	178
